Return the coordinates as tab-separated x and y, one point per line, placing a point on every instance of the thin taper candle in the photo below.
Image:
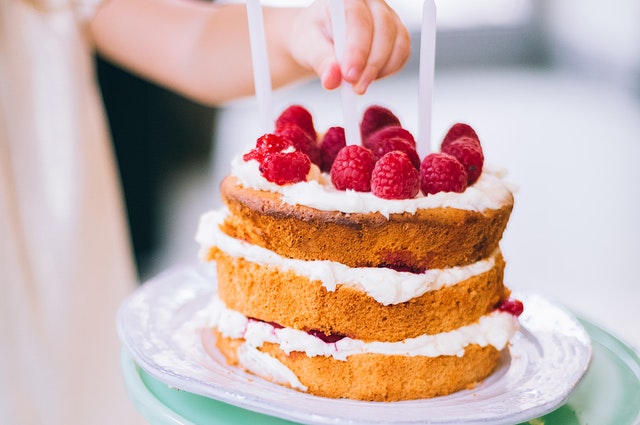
348	97
427	71
260	61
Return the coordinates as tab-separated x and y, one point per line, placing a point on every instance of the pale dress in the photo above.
65	260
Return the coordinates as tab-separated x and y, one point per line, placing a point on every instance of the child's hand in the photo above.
377	43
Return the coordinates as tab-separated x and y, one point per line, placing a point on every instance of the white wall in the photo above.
601	38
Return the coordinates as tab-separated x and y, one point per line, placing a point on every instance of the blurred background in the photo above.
552	88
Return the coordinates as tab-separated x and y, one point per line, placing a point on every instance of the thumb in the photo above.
321	59
313	46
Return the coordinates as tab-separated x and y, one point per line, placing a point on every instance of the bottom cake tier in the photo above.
340	367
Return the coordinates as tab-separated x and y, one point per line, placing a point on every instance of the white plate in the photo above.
160	325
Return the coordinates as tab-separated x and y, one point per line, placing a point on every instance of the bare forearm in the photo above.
202	50
192	47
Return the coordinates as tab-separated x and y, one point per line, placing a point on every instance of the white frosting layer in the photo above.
489	192
386	286
495	329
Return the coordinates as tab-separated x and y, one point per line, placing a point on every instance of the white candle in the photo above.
427	70
348	98
260	60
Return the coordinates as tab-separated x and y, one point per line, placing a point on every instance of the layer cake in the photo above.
344	293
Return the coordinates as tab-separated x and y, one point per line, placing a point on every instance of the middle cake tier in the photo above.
366	303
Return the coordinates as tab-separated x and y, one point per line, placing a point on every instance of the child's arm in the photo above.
202	50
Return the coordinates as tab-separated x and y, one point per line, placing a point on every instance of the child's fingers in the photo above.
400	52
382	44
331	77
359	39
378	43
311	44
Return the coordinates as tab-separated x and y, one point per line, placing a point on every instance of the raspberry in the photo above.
274	324
380	147
512	306
331	143
400	261
352	169
300	140
285	167
265	145
441	172
328	338
375	118
456	131
469	153
298	115
388	132
395	177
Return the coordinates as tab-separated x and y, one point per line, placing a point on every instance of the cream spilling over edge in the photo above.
495	328
489	192
386	286
262	364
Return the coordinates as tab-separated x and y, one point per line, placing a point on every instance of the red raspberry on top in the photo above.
469	153
352	169
298	115
374	118
265	145
300	140
332	141
395	177
441	172
387	133
285	167
380	147
456	131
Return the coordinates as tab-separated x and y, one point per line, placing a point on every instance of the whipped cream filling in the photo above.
495	329
489	192
262	364
386	286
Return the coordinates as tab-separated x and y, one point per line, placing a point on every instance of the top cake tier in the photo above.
415	240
